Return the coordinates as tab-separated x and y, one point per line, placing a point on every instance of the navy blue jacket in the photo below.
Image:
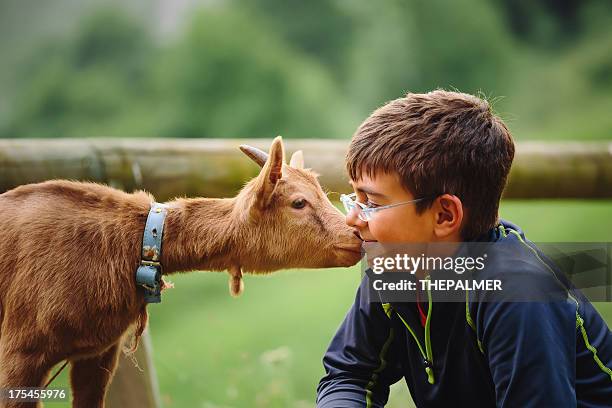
505	354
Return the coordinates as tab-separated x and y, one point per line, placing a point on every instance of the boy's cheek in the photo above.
387	235
383	231
398	230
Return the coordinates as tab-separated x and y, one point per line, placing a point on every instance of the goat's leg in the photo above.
90	378
19	370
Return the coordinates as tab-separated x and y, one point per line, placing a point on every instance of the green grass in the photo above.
264	349
561	220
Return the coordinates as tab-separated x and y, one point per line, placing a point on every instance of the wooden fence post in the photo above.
134	387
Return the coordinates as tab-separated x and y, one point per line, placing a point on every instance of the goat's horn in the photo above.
297	160
258	156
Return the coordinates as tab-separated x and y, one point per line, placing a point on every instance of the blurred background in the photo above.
225	68
231	69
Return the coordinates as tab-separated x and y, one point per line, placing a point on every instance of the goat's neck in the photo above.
198	234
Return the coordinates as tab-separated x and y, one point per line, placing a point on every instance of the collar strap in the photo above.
149	272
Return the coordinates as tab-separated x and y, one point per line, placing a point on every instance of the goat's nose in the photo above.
356	233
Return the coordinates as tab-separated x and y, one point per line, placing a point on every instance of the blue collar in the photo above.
149	272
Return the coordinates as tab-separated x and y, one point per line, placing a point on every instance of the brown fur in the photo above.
69	251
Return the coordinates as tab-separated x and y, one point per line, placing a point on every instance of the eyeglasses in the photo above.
366	213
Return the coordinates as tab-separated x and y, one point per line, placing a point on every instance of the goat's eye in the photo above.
299	203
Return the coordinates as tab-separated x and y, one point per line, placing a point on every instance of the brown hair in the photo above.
439	142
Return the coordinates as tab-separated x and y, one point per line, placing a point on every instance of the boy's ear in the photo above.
271	173
448	212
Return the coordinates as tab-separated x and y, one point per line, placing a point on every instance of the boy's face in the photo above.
441	222
392	225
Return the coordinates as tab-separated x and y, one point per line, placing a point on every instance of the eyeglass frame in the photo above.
349	201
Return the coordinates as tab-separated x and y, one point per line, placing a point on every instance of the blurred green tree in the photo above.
91	84
314	69
229	76
418	46
322	29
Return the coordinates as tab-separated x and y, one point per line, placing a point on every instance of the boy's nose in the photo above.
353	220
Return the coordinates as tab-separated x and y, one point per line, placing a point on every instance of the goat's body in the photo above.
67	259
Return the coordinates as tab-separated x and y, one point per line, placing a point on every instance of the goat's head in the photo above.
290	221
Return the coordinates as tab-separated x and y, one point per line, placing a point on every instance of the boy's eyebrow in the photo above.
370	192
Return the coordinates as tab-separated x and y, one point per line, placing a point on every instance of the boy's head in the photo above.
446	148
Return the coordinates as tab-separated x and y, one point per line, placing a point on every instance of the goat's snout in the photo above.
348	249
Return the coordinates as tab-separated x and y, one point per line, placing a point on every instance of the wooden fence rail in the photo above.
215	167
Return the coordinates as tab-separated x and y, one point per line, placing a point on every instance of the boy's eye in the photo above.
371	204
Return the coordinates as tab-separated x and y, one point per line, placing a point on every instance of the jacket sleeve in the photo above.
362	360
530	348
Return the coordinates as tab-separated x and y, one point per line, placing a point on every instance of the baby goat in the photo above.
69	252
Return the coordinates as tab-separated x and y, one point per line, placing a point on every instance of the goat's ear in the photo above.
271	172
297	160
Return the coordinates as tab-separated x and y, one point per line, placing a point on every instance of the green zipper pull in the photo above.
429	371
428	347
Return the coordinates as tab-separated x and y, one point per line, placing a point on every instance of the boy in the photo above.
440	160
